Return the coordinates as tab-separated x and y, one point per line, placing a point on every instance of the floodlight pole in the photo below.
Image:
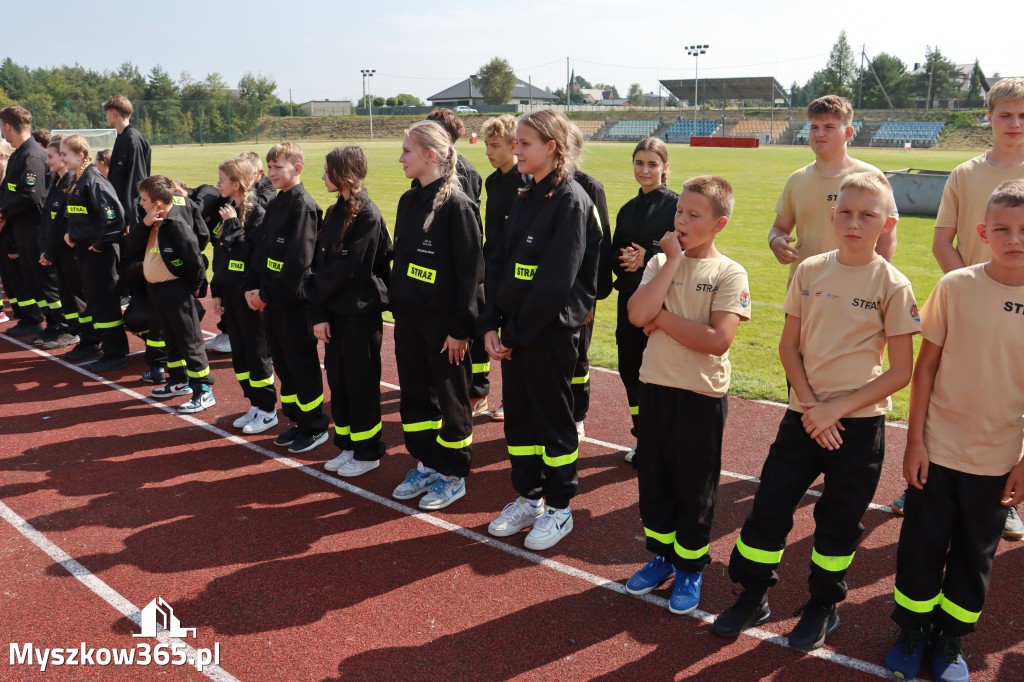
695	51
368	73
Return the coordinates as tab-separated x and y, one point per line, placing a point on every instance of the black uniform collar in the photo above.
427	193
294	191
661	191
544	186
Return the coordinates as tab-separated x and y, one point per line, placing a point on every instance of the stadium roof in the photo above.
522	90
764	87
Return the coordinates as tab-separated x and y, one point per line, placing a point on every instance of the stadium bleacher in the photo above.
631	130
589	128
686	129
804	133
917	133
748	128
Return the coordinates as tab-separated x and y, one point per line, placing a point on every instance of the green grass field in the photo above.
757	175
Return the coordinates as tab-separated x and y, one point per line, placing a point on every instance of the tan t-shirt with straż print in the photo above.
699	287
153	267
846	312
975	417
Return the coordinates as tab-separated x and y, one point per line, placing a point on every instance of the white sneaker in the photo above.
355	467
415	484
246	418
631	454
261	422
581	432
443	492
337	462
554	525
515	517
220	343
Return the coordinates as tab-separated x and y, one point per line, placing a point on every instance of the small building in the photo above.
327	107
468	94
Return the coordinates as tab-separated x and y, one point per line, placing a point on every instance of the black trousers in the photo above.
22	304
352	361
681	438
631	342
437	418
581	374
176	310
481	383
950	533
293	349
40	280
794	461
250	352
539	429
72	298
100	278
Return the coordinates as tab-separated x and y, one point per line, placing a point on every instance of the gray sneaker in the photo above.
1013	529
415	484
898	504
443	492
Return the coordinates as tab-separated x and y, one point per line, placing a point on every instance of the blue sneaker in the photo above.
655	572
443	492
948	664
415	484
685	592
904	658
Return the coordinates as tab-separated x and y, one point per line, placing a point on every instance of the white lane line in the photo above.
103	590
565	569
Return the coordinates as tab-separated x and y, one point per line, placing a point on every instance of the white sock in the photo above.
535	503
423	469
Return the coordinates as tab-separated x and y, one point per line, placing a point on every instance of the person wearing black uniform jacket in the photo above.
434	294
639	227
130	159
21	200
264	187
59	258
239	230
348	292
10	273
283	263
95	230
541	286
174	271
469	179
136	317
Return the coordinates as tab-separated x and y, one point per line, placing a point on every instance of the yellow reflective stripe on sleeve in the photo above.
78	209
561	460
150	343
480	367
581	380
456	444
175	363
519	450
909	604
958	612
831	563
665	538
242	376
760	556
274	265
236	265
422	426
525	272
421	273
368	434
289	398
200	374
684	553
311	405
634	410
260	383
342	430
108	325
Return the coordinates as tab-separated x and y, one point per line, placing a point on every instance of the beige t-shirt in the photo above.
808	198
976	410
699	287
846	312
963	204
153	267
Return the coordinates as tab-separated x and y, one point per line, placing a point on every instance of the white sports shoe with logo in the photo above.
261	422
554	525
514	517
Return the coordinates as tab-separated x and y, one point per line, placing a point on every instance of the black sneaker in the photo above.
749	610
63	340
305	442
23	328
82	352
108	363
155	375
816	622
288	436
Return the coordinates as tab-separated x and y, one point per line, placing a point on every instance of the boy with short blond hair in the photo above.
690	302
963	479
843	309
809	194
131	158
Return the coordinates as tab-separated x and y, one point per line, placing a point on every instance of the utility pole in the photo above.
568	86
368	73
931	74
695	51
860	79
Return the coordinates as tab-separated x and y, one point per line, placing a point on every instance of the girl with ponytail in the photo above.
437	273
541	286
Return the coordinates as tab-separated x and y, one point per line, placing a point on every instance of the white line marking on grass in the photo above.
101	589
565	569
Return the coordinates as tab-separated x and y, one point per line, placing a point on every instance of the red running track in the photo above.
110	500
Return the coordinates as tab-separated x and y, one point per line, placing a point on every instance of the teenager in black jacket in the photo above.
347	294
541	287
434	288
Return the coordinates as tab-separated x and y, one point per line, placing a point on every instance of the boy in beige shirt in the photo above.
963	480
843	308
690	302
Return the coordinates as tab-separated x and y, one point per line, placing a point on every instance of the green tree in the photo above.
840	72
127	81
606	86
404	99
892	73
974	91
939	78
671	101
496	80
582	82
635	94
255	87
15	80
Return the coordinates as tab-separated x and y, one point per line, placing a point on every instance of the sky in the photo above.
315	49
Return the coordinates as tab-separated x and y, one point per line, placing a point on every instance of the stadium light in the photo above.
695	51
368	73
